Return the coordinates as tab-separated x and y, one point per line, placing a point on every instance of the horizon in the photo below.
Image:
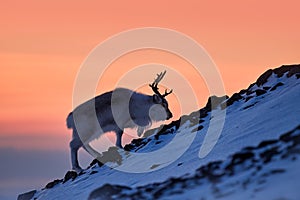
45	43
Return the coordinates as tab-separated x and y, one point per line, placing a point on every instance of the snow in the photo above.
179	155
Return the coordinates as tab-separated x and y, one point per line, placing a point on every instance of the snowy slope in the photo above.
266	171
262	122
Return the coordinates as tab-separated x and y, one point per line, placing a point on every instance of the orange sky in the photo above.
43	44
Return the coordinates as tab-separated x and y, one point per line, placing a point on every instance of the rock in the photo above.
27	195
264	77
93	172
276	86
235	97
239	158
135	143
213	101
111	155
267	155
107	191
259	92
248	98
171	128
94	162
53	183
70	175
291	69
249	106
198	128
267	143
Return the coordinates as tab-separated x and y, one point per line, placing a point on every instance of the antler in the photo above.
155	83
167	93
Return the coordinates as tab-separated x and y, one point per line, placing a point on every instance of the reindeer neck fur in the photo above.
139	106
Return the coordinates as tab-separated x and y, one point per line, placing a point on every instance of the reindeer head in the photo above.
161	108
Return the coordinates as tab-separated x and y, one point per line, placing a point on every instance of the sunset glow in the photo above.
43	44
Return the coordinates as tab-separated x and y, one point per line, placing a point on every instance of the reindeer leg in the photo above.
140	131
75	144
119	134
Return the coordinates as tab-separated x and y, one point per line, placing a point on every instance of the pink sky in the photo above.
43	44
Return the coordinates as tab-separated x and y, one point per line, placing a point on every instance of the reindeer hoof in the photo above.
77	169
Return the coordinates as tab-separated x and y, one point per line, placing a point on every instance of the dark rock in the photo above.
171	128
81	173
264	77
53	183
213	102
93	172
150	189
150	132
162	130
286	137
135	143
250	86
267	143
249	106
27	195
280	71
198	128
269	154
276	86
204	112
248	98
111	155
235	97
272	172
243	91
277	171
291	69
291	152
249	92
94	162
260	92
154	166
165	127
70	175
296	140
107	191
249	149
165	132
195	120
212	171
258	168
239	158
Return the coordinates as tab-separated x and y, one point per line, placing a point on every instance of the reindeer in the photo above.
114	111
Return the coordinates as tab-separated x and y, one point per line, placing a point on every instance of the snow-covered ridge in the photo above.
249	171
257	120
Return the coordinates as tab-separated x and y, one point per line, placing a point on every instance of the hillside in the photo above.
257	155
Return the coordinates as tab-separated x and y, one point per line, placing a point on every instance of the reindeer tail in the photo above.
70	120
